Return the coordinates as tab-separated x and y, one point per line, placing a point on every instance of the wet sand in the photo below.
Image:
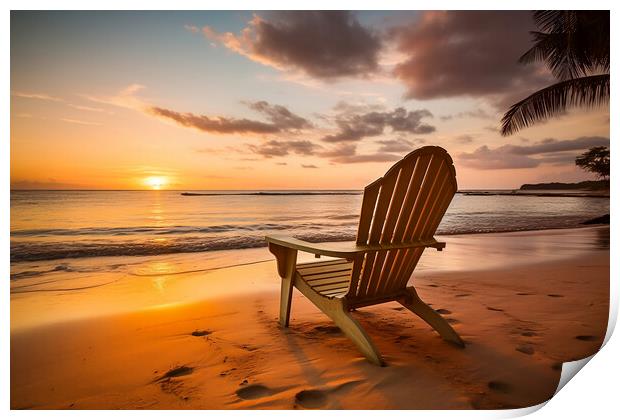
173	332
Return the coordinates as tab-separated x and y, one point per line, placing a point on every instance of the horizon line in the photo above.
256	189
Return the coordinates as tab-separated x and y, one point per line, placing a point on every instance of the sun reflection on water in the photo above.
159	269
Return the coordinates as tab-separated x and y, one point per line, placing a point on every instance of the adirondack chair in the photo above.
399	216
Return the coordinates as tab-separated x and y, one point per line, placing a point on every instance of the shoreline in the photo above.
101	286
174	340
583	225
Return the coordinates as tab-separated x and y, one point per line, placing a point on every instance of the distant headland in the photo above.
583	185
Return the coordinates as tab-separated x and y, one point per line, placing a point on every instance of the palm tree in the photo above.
575	47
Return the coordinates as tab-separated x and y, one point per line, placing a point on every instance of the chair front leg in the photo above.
287	262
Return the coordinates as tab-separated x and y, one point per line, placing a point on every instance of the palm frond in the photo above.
571	43
555	20
565	58
589	91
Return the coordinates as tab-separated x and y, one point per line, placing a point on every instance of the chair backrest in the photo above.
405	205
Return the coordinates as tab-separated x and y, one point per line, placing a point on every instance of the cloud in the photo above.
322	44
279	115
500	158
344	107
191	28
464	139
467	53
559	158
342	153
474	113
511	156
389	150
80	122
126	98
346	153
220	125
85	108
552	145
46	97
369	157
281	119
283	148
396	146
40	96
339	151
354	127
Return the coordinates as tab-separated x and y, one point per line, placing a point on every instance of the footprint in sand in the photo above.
555	296
452	321
311	398
247	347
227	372
586	337
175	372
201	333
490	308
525	294
500	386
443	311
398	309
529	350
529	334
253	392
169	383
462	295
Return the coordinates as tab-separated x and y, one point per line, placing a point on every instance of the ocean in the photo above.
53	225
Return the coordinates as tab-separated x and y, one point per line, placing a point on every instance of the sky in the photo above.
278	100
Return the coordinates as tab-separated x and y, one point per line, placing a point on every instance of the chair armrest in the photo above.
348	250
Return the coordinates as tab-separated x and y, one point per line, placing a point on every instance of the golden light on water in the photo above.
156	182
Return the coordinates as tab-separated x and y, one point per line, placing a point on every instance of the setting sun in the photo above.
156	182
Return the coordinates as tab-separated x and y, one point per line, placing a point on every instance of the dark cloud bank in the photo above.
467	53
446	53
511	156
322	44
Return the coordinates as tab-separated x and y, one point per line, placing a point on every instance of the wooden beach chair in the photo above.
399	216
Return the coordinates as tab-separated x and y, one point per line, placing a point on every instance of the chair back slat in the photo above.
421	165
407	204
435	204
369	202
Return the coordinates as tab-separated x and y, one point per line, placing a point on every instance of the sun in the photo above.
156	182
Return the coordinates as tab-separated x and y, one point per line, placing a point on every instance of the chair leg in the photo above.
354	331
413	302
287	260
335	309
286	296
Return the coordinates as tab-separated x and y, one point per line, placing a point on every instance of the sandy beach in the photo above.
180	332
